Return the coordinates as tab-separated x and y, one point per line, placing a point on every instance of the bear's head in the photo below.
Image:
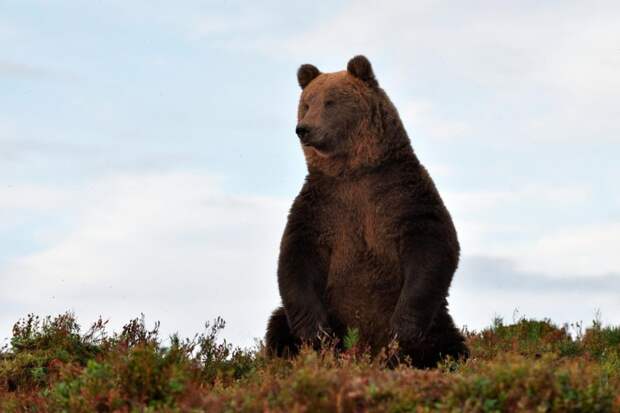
345	121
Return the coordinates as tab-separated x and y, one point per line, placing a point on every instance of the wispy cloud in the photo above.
21	70
17	70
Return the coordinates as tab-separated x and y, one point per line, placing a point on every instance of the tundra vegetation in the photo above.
50	364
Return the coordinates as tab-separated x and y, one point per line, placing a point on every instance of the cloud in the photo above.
172	246
501	274
425	121
177	248
239	23
20	149
485	286
493	66
588	249
494	45
16	198
492	221
533	226
468	202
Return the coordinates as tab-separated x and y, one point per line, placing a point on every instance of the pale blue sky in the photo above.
147	153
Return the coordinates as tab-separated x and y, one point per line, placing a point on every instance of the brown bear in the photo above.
369	243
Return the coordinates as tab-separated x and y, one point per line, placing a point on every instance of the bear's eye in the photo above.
305	107
329	103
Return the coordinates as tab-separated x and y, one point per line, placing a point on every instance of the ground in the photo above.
525	366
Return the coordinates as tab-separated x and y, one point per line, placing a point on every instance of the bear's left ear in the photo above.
361	68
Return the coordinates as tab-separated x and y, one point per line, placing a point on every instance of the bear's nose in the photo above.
302	131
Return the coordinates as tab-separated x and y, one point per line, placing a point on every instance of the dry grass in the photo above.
51	365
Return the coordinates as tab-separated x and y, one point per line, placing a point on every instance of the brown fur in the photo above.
368	243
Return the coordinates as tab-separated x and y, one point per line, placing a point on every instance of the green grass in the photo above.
51	365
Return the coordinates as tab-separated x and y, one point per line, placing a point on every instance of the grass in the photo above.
51	365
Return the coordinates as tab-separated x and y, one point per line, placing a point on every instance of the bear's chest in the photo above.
361	236
364	275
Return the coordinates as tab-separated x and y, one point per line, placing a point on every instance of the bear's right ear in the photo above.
306	73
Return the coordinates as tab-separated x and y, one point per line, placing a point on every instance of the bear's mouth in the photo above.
319	150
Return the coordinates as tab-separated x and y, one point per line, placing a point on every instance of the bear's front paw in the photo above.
406	329
314	327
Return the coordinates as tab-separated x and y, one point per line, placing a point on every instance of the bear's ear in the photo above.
361	68
306	73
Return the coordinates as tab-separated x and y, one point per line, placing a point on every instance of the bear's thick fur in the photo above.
369	243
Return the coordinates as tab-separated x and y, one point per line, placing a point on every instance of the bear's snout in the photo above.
302	131
311	137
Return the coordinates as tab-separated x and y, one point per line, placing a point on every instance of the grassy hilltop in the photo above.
531	365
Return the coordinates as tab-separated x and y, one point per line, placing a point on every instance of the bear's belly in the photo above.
362	290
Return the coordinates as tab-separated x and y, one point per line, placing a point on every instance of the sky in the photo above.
148	156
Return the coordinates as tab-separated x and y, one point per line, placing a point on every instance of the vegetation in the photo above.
50	365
